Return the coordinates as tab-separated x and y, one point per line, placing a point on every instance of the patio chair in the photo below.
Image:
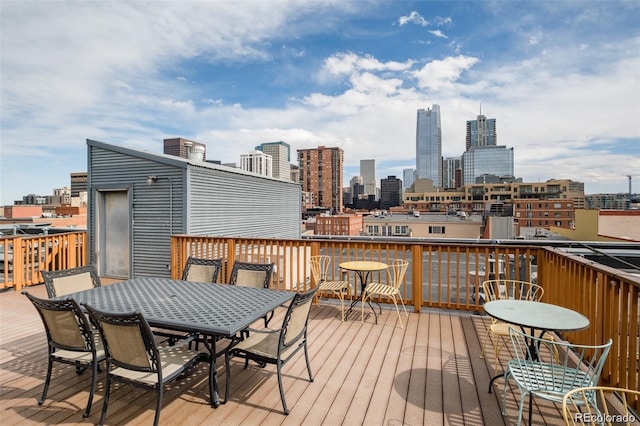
66	281
600	405
70	339
201	270
267	346
256	275
498	331
319	270
133	356
395	274
577	366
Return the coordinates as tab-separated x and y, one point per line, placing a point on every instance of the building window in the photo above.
557	206
436	230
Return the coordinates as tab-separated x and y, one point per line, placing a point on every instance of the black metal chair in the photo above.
256	275
201	270
267	346
133	356
66	281
71	340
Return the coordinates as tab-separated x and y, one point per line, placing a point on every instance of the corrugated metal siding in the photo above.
237	205
157	211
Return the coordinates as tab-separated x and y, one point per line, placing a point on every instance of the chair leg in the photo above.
46	382
397	310
284	402
306	357
341	296
107	392
156	419
94	379
227	376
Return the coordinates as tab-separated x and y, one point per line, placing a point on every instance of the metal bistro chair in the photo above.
577	366
395	273
319	270
600	405
201	270
66	281
71	340
498	331
133	356
256	275
277	347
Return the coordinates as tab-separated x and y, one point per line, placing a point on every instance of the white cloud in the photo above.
439	74
413	18
438	33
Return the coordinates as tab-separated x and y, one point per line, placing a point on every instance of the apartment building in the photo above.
321	175
344	224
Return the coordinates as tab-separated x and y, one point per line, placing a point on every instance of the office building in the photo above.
452	172
487	160
257	162
429	145
356	188
481	132
321	175
390	192
368	173
280	153
185	148
408	177
78	183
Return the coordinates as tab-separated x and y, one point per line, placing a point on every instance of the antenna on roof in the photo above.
480	108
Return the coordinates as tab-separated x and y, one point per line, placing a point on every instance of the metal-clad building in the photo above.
138	199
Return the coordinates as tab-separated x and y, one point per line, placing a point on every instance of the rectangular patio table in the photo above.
211	310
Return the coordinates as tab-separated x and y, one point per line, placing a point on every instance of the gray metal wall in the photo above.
227	203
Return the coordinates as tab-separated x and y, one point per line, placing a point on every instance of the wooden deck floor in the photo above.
427	373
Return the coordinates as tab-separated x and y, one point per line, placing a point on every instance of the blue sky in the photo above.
562	79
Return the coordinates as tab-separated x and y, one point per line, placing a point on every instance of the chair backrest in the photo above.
248	274
397	271
128	340
294	325
598	405
561	357
201	270
66	325
511	289
319	267
66	281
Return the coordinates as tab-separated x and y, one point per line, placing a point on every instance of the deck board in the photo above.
428	372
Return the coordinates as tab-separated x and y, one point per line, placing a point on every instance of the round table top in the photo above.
538	315
363	265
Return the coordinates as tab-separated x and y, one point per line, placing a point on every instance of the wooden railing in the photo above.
448	276
23	257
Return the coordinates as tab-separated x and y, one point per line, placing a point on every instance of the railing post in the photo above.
416	276
18	263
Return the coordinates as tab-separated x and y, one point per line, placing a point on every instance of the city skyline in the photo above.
561	78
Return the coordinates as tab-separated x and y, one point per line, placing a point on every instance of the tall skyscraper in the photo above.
368	173
429	145
280	152
481	132
356	188
321	175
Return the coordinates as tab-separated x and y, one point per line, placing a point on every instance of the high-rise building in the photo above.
368	173
185	148
487	160
280	152
257	162
321	175
481	132
390	192
356	188
429	145
78	183
408	177
451	177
